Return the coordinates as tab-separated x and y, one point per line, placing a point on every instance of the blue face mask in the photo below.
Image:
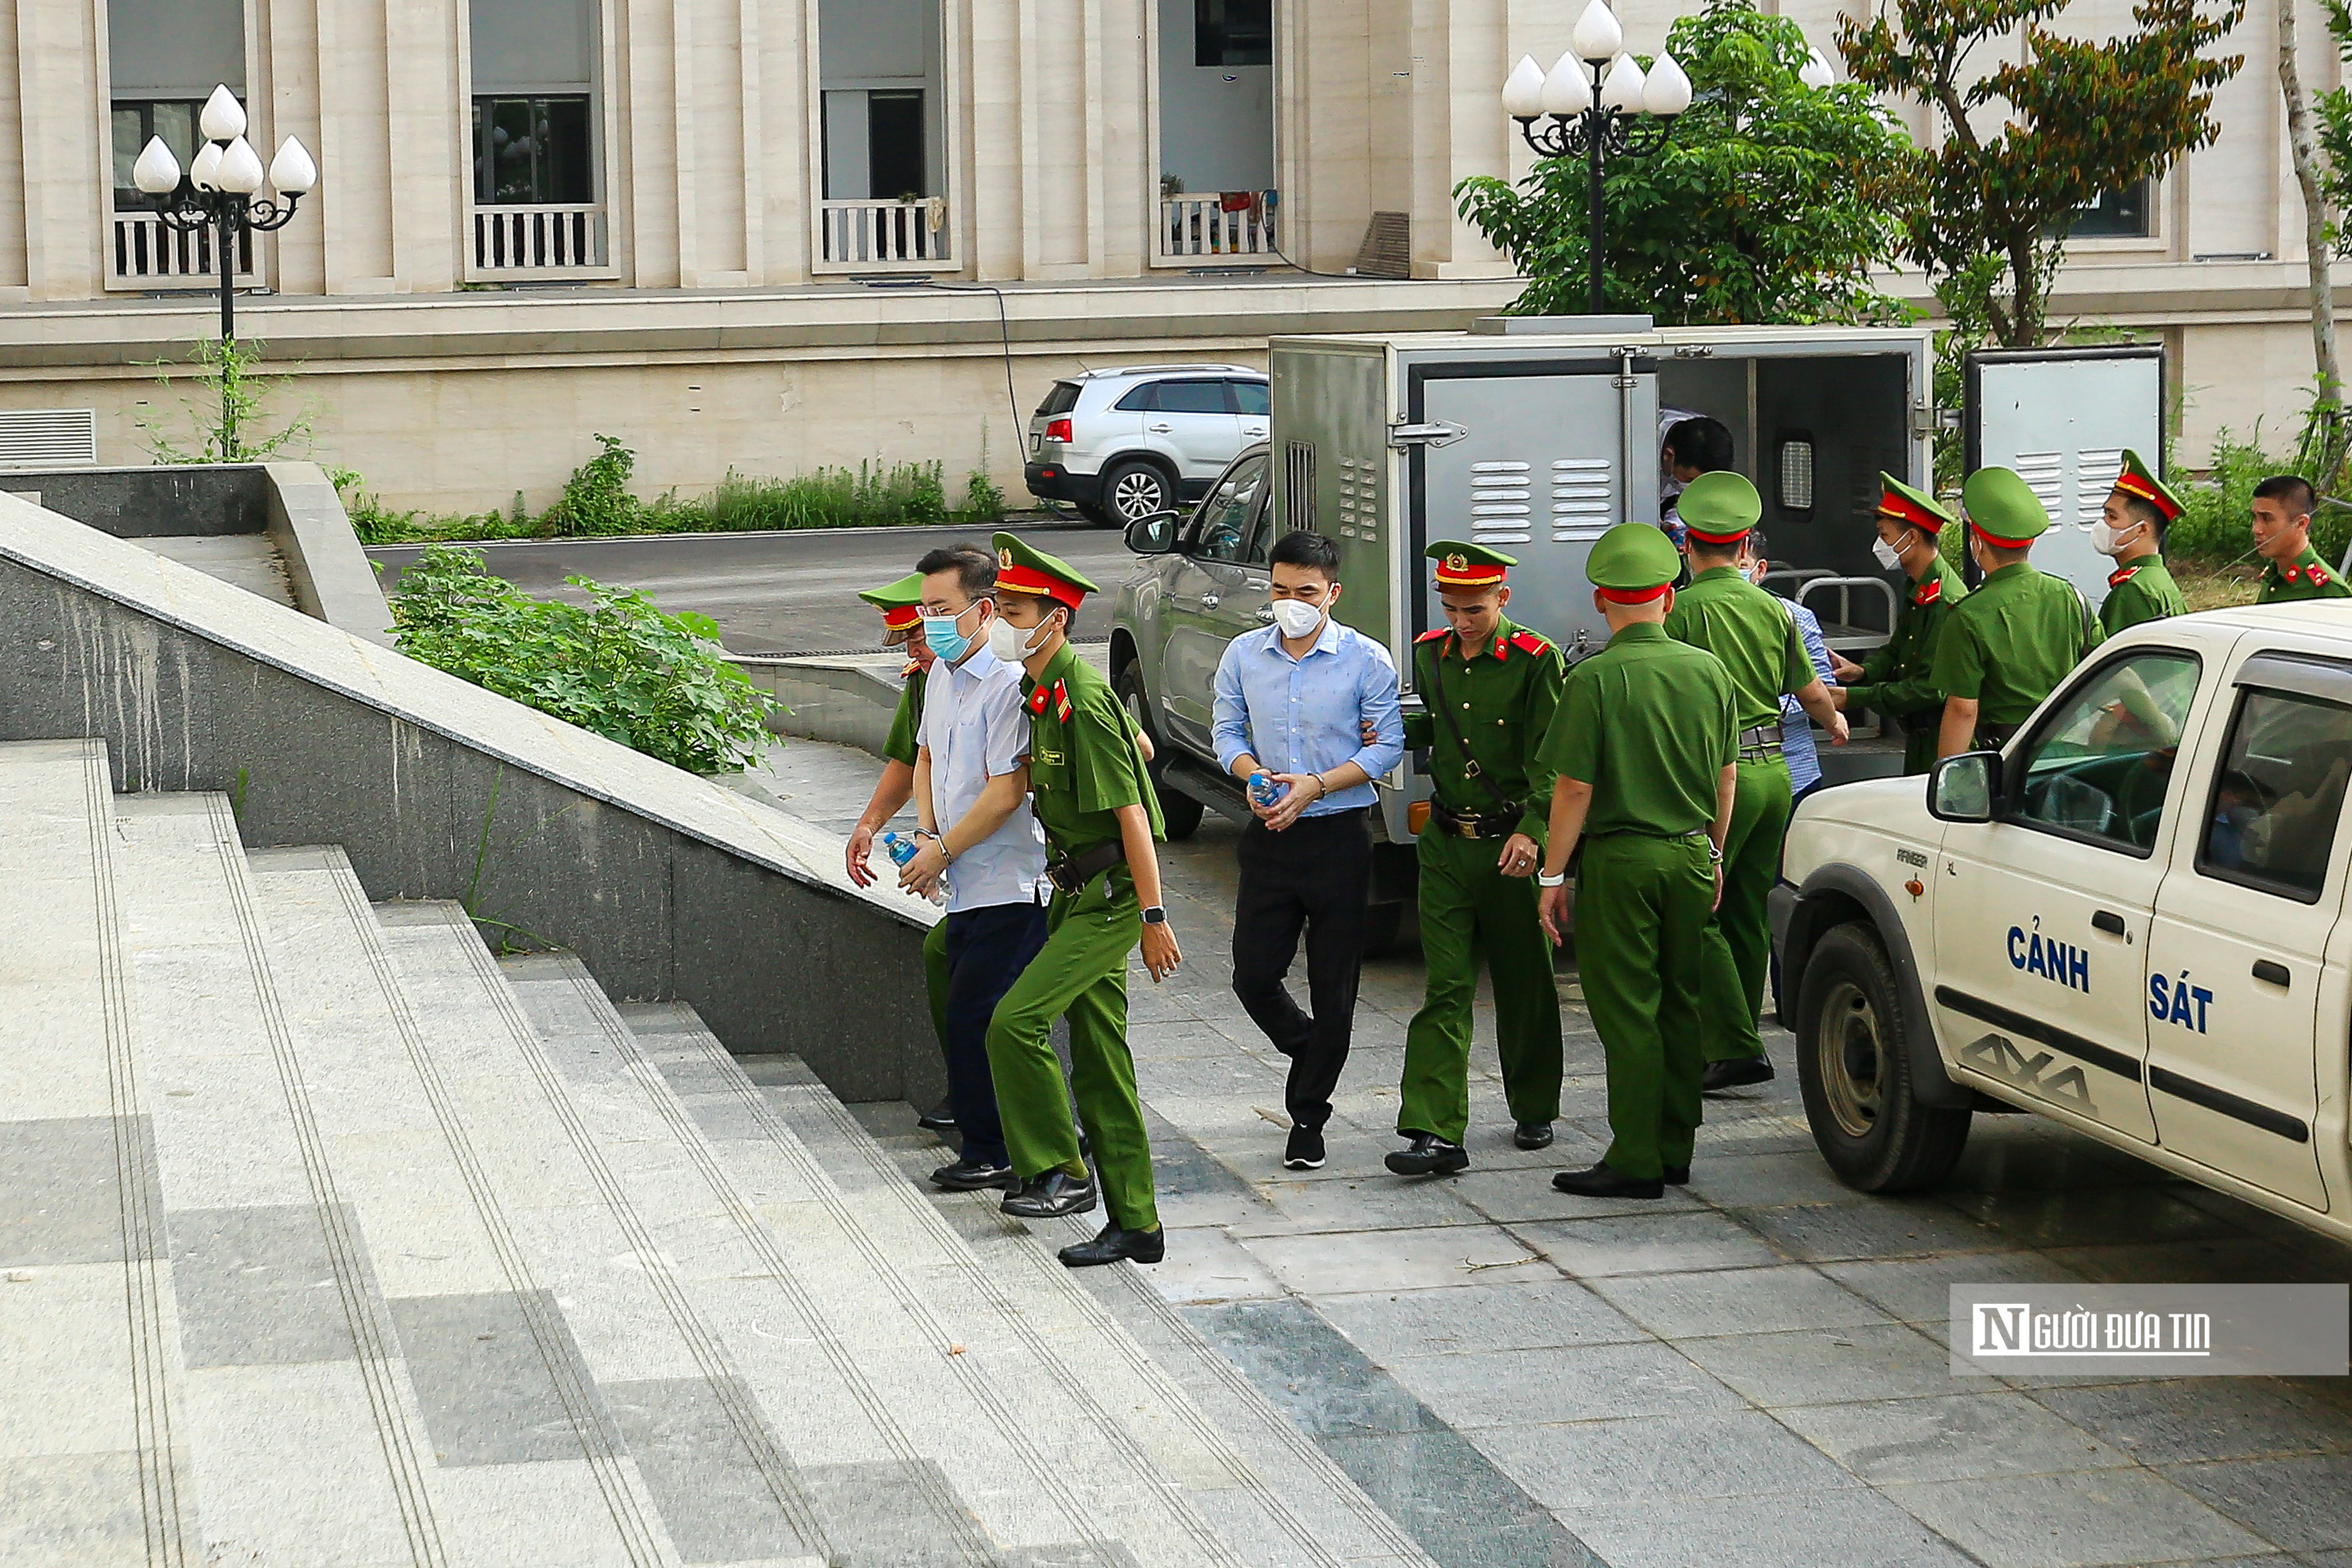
945	638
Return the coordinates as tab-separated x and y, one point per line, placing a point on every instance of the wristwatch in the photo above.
1155	915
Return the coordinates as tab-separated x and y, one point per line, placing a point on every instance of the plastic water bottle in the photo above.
902	850
1263	791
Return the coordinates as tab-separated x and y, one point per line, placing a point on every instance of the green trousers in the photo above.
1738	952
935	981
1919	750
1469	911
1641	927
1080	974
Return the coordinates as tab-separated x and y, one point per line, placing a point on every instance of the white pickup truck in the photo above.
2131	921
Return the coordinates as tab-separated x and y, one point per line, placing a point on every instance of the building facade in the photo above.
766	235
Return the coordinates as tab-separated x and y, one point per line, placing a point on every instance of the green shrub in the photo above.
596	498
617	665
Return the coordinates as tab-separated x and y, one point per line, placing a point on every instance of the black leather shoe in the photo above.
1056	1193
1112	1244
1734	1074
1677	1175
1429	1154
1600	1181
1305	1150
1532	1136
940	1118
972	1176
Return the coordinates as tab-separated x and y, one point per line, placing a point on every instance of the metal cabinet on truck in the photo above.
1538	435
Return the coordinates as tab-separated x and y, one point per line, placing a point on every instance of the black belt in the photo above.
1994	737
1072	873
1761	743
1494	825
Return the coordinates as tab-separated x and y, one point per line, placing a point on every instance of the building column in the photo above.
65	134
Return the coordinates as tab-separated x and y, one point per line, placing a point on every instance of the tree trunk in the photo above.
2320	258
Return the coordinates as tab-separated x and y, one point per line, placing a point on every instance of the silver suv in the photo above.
1121	445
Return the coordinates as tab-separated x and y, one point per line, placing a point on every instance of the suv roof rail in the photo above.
1165	370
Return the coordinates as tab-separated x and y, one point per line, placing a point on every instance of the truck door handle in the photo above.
2271	973
1208	602
2108	921
1159	429
1258	583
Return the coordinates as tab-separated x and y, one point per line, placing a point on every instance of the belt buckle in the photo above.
1466	826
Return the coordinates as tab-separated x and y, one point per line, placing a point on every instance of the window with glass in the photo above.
2126	214
533	151
174	119
1227	33
2279	794
1220	531
1252	398
2100	768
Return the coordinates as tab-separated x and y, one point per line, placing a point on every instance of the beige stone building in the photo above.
766	235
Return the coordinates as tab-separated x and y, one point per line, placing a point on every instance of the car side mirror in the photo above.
1962	789
1154	535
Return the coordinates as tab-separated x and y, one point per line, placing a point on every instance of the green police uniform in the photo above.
1500	695
1083	768
1756	639
1650	723
2142	589
2305	577
2022	630
1898	676
898	602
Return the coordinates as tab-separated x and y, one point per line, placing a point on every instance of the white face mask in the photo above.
2107	540
1012	644
1888	556
1296	617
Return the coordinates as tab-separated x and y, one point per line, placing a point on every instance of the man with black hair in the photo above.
2282	507
1298	701
1692	446
2130	531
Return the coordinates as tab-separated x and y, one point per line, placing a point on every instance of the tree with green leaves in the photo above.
2028	142
1766	204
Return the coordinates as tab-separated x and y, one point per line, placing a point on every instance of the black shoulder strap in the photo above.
1470	768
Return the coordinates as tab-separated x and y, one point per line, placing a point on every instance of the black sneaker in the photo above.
939	1118
1428	1155
1677	1175
1305	1150
972	1176
1057	1192
1532	1136
1112	1245
1734	1074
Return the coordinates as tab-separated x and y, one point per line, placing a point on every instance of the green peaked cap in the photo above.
1023	568
899	595
1468	566
1633	558
2137	479
1718	508
2003	508
1906	504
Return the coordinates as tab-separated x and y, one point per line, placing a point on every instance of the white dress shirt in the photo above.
977	728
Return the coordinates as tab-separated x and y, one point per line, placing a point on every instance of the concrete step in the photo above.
92	1465
894	1406
1131	1435
297	1410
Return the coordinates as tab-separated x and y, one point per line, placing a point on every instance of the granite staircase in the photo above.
326	1236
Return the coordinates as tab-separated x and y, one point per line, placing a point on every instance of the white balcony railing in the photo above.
882	237
1216	224
538	241
142	252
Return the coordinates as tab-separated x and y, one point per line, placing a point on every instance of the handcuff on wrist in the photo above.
939	839
1550	879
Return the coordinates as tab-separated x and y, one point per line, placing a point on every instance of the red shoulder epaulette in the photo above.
1529	642
1928	593
2122	575
1434	636
2316	573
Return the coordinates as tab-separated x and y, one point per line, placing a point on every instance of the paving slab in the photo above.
2086	1518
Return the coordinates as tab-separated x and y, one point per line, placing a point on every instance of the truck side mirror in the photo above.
1154	535
1962	788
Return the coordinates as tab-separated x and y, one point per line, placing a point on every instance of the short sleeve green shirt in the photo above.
1898	677
2144	590
2008	644
2305	577
1752	633
1083	761
898	746
1650	723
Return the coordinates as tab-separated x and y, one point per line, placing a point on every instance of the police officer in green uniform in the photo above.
2018	634
1757	640
1095	804
1487	688
1897	680
2282	509
2130	530
900	604
1646	746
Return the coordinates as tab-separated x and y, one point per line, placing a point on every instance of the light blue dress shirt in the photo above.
1798	748
1307	716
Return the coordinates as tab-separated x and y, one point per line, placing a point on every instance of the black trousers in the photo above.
1314	876
987	950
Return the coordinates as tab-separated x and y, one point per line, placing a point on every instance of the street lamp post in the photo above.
1597	104
220	192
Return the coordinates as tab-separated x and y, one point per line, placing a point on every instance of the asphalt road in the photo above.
770	592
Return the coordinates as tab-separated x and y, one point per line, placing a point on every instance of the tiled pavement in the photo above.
1752	1370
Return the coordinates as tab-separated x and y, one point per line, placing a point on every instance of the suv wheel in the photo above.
1179	812
1856	1072
1133	490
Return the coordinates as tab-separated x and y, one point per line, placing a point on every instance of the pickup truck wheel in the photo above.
1180	814
1855	1072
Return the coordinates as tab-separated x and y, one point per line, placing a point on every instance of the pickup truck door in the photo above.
1216	595
2242	922
2042	916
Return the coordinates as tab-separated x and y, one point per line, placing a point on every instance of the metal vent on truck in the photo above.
49	438
1359	500
1583	499
1500	513
1298	485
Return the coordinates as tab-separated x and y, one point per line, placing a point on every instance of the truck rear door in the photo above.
2242	922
